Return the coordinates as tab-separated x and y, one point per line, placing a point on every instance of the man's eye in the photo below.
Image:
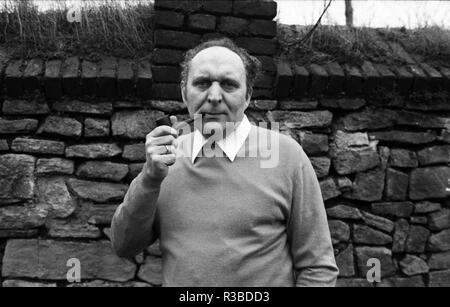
202	83
229	85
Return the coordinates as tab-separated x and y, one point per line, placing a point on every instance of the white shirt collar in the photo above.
229	145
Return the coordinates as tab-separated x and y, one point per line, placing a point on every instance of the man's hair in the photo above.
251	64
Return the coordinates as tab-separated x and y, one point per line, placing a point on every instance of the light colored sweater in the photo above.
223	223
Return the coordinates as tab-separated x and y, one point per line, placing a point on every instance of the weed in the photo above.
106	27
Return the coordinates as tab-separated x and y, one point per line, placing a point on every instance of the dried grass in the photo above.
354	45
106	28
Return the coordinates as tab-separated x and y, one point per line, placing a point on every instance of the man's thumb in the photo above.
174	120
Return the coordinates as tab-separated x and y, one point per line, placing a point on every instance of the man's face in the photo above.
216	88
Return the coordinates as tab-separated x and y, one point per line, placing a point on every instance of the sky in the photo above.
372	13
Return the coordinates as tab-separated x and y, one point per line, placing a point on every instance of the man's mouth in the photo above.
212	115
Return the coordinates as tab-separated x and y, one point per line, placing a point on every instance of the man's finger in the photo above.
160	150
175	143
173	120
161	140
163	130
182	125
168	159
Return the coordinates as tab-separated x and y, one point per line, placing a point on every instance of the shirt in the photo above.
223	223
229	145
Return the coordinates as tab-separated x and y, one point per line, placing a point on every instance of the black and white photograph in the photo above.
214	145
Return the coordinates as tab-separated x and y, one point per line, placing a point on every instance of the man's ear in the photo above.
249	97
183	92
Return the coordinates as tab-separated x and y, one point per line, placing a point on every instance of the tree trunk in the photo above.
348	13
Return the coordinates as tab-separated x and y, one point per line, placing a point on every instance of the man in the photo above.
225	220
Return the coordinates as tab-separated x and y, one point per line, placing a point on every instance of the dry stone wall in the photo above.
72	135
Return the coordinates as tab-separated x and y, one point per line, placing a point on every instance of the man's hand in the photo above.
160	147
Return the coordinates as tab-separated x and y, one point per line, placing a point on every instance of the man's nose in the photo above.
215	93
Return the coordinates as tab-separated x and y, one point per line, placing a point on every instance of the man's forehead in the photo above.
217	57
223	72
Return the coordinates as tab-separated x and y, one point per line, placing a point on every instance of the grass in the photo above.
329	44
429	44
354	45
107	28
126	30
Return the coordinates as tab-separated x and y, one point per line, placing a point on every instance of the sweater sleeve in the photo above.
308	232
132	226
